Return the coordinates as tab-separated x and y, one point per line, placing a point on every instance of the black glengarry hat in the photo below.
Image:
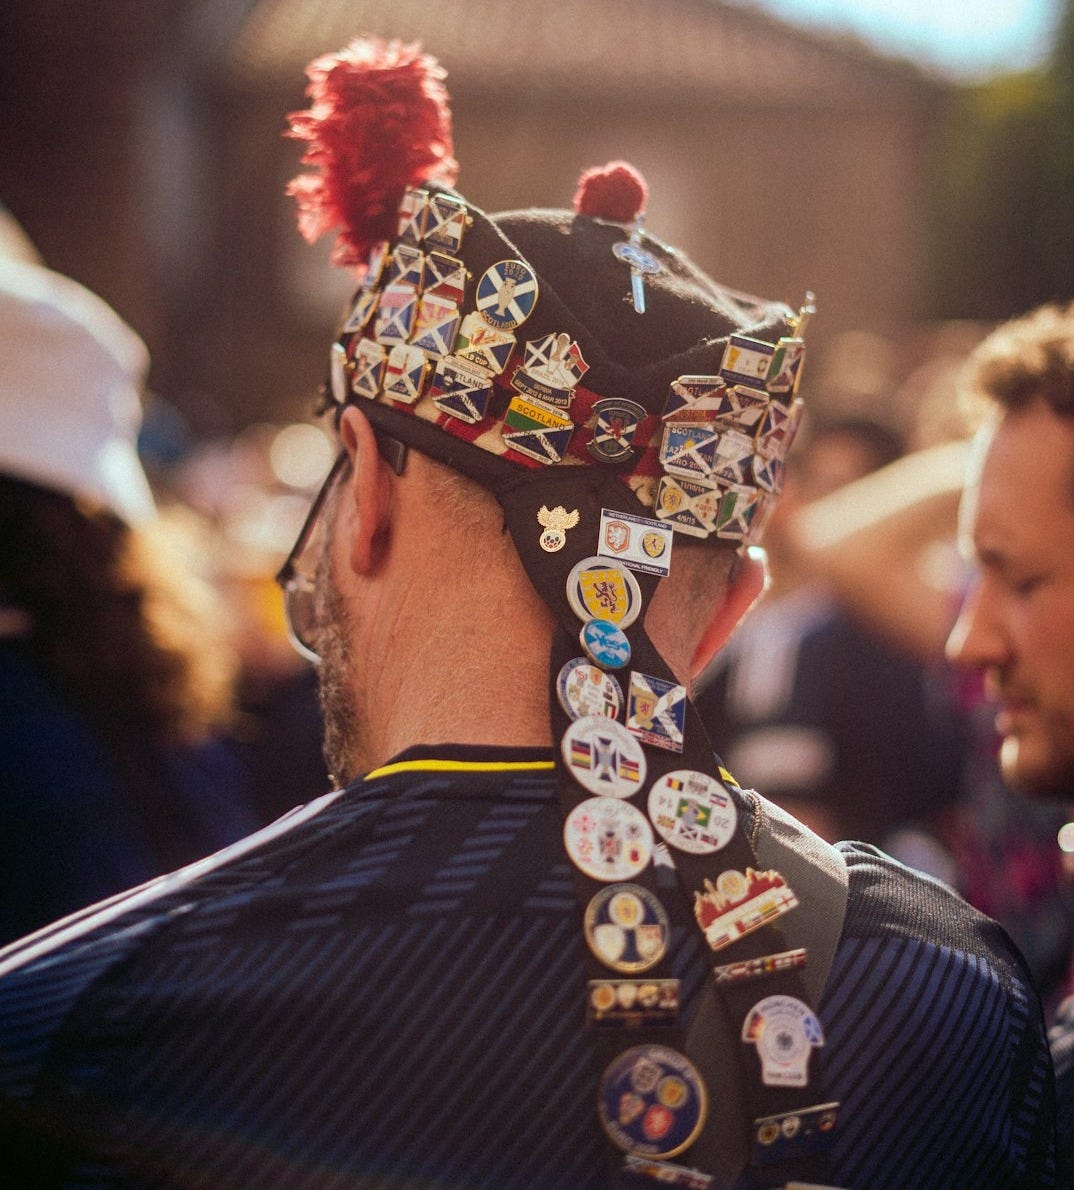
536	339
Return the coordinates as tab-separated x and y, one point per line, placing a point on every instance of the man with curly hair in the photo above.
1017	623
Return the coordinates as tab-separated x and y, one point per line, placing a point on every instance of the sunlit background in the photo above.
911	163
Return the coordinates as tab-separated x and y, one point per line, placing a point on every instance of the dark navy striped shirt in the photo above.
384	989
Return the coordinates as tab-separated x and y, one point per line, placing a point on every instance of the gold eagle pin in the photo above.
555	522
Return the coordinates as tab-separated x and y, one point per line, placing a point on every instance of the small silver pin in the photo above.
641	263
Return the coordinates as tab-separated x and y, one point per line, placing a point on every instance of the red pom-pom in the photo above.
616	192
378	123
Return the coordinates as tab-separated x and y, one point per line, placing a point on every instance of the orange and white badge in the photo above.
641	543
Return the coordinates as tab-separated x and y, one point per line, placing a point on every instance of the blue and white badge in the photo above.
690	449
405	373
552	367
692	811
507	293
364	305
413	212
603	757
436	325
739	511
695	398
407	266
617	421
461	391
786	368
746	360
733	461
652	1101
656	711
445	277
584	689
692	506
484	345
395	314
447	222
785	1032
367	361
605	644
627	928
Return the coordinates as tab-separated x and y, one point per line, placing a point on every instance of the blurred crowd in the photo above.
152	709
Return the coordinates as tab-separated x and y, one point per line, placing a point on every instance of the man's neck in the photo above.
482	678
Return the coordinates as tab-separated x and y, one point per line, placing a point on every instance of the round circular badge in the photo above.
598	589
605	644
586	690
692	811
608	839
652	1101
603	757
627	928
507	293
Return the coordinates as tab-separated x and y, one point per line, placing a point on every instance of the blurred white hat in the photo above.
71	375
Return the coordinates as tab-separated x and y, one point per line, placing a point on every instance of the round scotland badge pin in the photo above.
598	589
506	294
603	756
608	839
652	1101
692	811
627	928
584	689
605	644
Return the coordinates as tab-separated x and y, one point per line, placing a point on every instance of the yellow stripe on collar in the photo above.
460	766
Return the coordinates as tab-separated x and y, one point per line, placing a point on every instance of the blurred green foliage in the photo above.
1002	232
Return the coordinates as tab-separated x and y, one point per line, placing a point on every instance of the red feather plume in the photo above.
378	123
616	192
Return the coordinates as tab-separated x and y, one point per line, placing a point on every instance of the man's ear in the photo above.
748	581
369	487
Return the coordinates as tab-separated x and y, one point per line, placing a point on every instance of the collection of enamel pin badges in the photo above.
652	1099
724	439
410	340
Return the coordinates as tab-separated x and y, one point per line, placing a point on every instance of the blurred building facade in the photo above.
141	148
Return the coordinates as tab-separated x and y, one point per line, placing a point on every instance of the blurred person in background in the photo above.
886	547
247	497
816	708
115	678
1016	625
